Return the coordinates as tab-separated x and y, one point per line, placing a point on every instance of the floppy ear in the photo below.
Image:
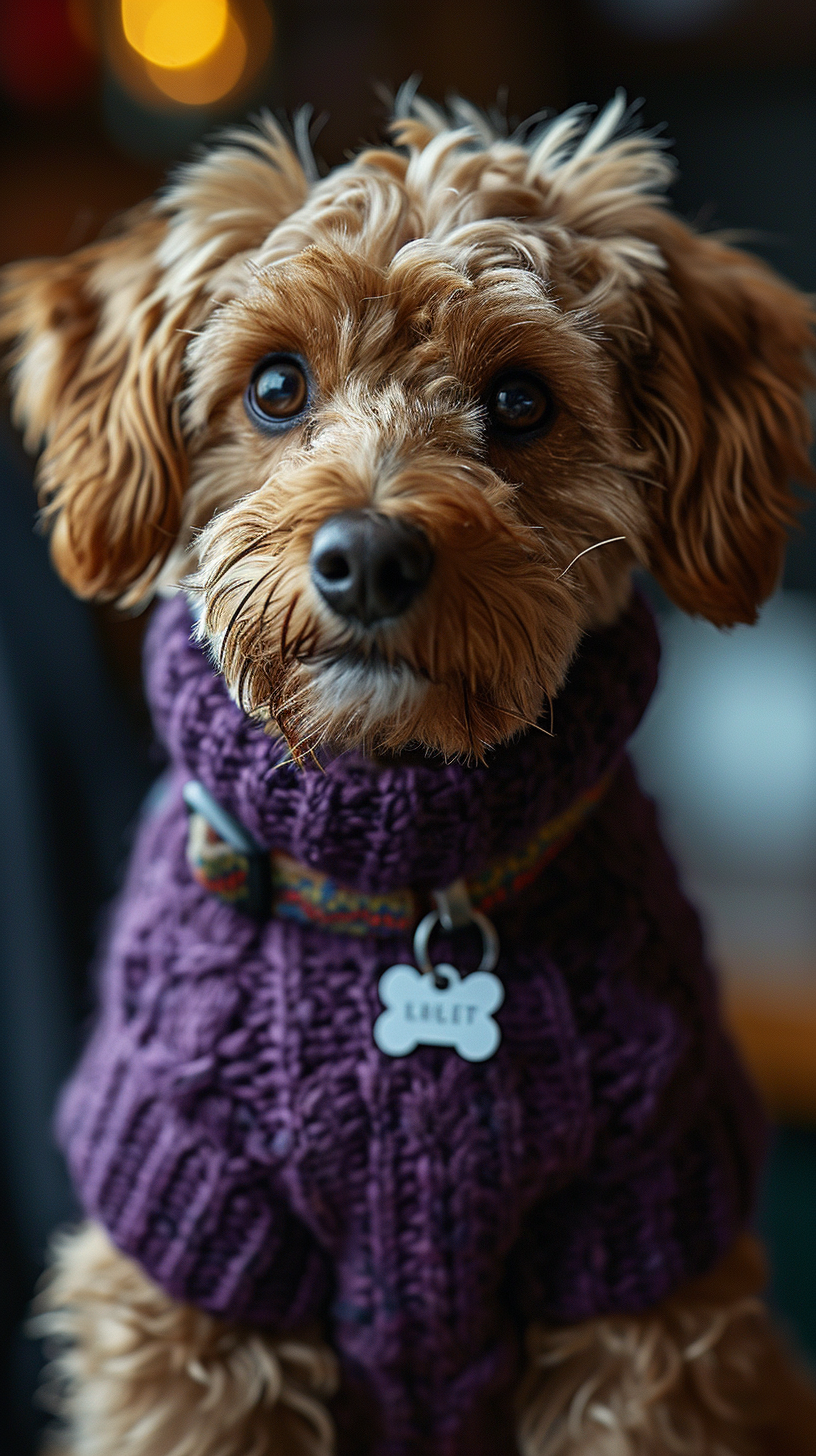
713	354
717	396
100	339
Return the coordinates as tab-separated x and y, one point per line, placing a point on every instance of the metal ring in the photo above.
426	927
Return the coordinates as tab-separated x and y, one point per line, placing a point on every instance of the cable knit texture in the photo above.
236	1130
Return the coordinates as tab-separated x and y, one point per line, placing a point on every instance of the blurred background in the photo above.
96	101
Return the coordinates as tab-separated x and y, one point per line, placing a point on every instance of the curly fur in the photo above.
137	1373
703	1375
407	279
98	363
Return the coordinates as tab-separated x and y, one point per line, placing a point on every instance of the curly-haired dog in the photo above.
404	432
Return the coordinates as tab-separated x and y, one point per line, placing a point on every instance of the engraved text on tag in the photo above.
421	1012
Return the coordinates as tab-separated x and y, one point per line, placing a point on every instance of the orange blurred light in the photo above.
212	77
176	34
227	43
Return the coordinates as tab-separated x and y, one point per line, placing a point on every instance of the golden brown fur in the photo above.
137	1373
703	1375
408	279
100	343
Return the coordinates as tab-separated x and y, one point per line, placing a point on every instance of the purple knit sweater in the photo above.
237	1131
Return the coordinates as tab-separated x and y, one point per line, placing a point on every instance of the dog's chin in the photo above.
391	713
368	703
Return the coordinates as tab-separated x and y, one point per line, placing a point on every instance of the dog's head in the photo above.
408	428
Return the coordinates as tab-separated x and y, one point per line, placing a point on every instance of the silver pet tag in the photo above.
434	1005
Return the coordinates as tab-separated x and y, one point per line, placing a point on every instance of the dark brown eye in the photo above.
518	403
278	392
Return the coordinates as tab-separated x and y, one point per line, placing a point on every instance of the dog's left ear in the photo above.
715	371
99	343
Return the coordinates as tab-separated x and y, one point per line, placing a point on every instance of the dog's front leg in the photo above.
137	1373
702	1375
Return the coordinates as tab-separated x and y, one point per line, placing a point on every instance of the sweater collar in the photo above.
423	824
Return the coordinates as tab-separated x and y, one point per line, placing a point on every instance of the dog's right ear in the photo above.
717	377
99	340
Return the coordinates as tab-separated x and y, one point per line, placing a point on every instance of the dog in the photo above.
402	433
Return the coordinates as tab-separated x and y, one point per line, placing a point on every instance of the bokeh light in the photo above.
214	76
46	52
728	745
173	34
172	54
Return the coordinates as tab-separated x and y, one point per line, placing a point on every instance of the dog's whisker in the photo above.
287	622
511	713
304	745
256	585
308	631
223	595
245	670
608	542
226	566
290	702
267	605
294	748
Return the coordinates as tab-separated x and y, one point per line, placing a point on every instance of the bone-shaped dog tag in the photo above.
421	1012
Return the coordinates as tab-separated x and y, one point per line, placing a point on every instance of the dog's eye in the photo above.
518	403
278	391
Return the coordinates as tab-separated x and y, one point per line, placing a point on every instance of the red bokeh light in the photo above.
43	60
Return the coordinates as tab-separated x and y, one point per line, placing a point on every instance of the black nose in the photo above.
369	567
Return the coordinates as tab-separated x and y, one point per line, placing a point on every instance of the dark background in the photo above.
81	137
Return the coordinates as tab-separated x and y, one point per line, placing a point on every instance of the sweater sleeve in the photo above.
160	1121
209	1227
677	1133
629	1232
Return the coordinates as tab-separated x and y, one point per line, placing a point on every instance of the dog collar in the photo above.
225	860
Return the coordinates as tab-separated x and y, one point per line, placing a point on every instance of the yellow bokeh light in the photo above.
197	53
175	34
212	78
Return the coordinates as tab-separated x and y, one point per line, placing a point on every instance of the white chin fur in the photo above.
364	694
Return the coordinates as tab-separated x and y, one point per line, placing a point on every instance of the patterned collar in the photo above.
225	859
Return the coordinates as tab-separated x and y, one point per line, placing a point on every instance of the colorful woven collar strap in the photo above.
225	860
